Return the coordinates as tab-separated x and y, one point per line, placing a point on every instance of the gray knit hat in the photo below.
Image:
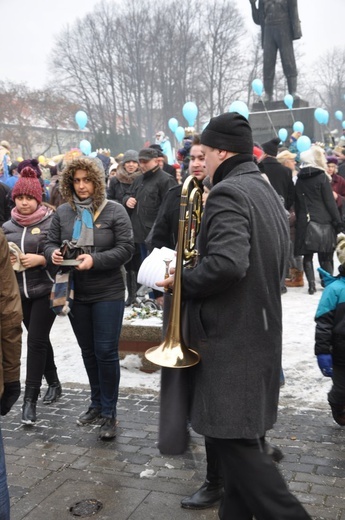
130	155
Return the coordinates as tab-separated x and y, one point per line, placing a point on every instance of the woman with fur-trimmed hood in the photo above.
97	233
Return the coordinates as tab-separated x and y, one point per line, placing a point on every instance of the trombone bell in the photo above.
172	355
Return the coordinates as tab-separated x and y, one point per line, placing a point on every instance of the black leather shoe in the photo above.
53	393
108	429
206	496
89	417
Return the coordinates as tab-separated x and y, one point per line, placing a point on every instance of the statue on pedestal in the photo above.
280	25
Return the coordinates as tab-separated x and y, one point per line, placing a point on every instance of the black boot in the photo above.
131	277
212	489
312	288
206	496
327	266
338	413
29	405
309	272
53	393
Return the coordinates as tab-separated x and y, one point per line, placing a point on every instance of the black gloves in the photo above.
10	396
339	227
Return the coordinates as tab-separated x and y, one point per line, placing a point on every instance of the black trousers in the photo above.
337	393
38	321
253	484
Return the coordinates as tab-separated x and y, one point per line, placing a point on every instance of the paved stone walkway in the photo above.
56	463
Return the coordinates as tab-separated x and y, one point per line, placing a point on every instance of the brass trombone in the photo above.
173	353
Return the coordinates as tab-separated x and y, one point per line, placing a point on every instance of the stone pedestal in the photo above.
136	339
278	116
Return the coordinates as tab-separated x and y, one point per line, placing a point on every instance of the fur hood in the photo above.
96	174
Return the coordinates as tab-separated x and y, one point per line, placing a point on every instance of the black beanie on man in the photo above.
271	147
229	131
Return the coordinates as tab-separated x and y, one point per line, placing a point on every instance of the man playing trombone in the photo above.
235	323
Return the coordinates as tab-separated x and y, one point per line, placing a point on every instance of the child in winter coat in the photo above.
330	334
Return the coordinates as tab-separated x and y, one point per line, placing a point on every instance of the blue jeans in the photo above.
97	327
4	496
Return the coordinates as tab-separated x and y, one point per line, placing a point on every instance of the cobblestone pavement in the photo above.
56	464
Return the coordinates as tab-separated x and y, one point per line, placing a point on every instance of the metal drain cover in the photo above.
87	507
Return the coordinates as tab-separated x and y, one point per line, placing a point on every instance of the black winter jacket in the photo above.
313	196
36	281
149	190
165	230
280	178
113	247
117	190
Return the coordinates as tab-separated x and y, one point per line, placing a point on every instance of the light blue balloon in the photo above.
85	147
173	124
81	119
303	143
298	126
179	133
240	107
190	112
319	115
166	147
343	124
288	100
282	134
339	115
257	87
325	118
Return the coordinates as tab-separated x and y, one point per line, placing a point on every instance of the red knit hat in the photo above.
28	184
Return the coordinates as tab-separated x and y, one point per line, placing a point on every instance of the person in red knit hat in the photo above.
26	233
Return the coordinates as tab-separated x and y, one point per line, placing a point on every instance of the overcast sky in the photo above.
28	28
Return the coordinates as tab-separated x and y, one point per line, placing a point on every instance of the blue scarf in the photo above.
82	236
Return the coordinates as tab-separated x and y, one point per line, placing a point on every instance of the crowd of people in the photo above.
80	228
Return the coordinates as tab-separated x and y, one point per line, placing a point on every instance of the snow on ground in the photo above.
305	387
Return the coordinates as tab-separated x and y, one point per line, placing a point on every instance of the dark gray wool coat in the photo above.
234	306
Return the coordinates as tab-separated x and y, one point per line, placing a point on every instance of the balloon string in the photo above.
269	117
293	119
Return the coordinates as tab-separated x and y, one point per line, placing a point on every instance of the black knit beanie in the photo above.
271	147
229	131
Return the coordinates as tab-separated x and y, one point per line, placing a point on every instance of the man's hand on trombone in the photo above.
168	282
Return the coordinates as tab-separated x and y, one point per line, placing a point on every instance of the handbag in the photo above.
320	238
62	293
